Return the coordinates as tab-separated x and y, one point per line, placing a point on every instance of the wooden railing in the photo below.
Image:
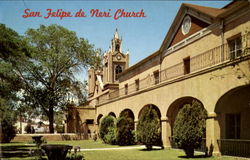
202	61
235	147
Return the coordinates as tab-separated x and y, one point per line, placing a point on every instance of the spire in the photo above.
127	52
116	36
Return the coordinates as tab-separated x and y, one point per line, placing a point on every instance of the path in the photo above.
119	148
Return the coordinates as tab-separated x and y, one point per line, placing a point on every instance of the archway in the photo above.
128	113
98	120
154	107
149	127
172	112
232	111
112	114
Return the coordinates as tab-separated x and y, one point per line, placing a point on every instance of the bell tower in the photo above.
115	61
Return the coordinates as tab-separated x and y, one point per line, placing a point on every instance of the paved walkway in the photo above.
118	148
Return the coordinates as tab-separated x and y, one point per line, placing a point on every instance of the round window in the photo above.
186	25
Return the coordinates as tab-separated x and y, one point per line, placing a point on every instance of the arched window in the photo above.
117	47
118	69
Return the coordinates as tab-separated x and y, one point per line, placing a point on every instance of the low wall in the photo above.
47	137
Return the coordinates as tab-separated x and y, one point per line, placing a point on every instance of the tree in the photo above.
189	127
7	121
125	134
56	54
108	130
12	47
149	128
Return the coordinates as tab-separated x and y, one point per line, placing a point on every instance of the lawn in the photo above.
137	154
121	154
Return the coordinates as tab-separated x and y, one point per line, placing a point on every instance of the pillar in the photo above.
212	134
165	132
65	126
136	122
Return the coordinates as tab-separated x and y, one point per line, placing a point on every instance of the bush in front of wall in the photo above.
189	127
108	130
149	128
125	134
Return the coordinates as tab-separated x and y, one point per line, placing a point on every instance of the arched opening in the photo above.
128	113
118	69
232	111
172	112
112	114
117	47
152	106
149	127
98	120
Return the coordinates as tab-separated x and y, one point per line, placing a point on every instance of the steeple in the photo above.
116	35
115	62
116	43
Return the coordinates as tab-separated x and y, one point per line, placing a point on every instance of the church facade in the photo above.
205	56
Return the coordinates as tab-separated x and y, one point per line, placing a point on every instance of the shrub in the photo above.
108	130
7	121
75	156
60	128
189	127
28	128
110	137
125	135
149	128
8	131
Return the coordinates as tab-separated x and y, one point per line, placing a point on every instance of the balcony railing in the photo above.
235	147
212	57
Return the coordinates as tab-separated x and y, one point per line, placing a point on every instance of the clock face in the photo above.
119	57
186	25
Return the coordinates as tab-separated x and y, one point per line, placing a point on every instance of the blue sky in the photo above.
141	36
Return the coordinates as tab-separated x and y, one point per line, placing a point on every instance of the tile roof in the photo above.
213	12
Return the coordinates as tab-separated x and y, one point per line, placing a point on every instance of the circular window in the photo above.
118	57
186	25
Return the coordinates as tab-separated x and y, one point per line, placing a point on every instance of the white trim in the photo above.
190	39
175	29
187	41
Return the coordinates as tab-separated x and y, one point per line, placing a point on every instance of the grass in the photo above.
128	154
135	154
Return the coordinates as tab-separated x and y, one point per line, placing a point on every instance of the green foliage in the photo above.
56	54
125	134
189	127
12	47
7	121
108	130
60	128
75	156
28	128
149	128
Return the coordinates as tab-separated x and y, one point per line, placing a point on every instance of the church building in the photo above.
205	56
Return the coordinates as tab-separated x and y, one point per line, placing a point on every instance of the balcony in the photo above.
212	58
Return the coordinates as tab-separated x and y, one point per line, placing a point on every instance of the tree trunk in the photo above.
149	147
51	120
189	152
